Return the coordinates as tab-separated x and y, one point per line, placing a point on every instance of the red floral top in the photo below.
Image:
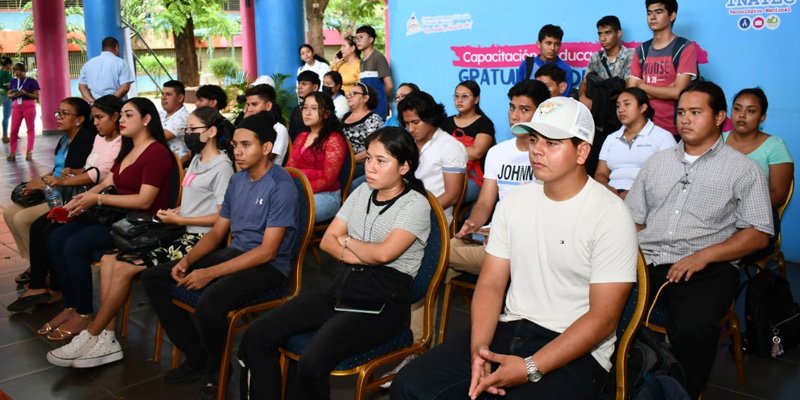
321	165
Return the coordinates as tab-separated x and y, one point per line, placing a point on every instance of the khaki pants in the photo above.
19	220
464	257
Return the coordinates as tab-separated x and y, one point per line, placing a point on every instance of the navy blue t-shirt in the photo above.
252	207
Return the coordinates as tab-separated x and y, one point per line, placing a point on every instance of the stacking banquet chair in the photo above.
240	319
345	181
425	286
458	208
775	253
630	323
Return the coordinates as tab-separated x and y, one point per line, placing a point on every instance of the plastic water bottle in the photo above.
53	197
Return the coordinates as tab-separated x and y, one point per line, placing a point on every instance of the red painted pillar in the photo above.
249	57
50	35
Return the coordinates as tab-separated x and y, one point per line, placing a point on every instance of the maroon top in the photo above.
154	167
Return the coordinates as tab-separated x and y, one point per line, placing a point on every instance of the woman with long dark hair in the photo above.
105	114
312	61
320	154
380	235
625	151
474	130
349	63
141	175
203	192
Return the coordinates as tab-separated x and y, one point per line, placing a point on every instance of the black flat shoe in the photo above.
23	278
29	302
186	373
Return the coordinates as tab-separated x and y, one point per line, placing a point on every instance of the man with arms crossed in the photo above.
697	207
569	252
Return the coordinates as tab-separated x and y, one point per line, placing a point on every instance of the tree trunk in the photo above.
186	55
314	17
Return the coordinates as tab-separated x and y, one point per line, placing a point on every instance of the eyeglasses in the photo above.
63	114
353	94
464	96
196	129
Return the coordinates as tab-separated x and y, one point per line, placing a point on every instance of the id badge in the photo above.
19	100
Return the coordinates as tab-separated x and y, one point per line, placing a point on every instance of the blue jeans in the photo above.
473	190
357	182
6	103
326	204
70	251
444	372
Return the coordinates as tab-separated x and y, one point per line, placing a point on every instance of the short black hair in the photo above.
641	98
428	110
368	30
264	91
758	93
177	85
610	20
6	61
552	31
213	92
411	85
532	89
670	5
552	70
110	42
716	96
308	76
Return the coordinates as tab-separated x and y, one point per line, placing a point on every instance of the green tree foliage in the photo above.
347	15
72	27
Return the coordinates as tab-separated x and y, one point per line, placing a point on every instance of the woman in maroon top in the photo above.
141	173
320	154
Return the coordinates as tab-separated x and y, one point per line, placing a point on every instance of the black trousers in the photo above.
40	262
694	311
203	341
445	371
339	334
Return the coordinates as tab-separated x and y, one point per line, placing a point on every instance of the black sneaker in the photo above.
29	302
208	390
186	373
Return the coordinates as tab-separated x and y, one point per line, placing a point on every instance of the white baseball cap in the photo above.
559	118
264	79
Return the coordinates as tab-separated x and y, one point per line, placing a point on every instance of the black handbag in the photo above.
104	215
371	283
26	200
139	233
69	192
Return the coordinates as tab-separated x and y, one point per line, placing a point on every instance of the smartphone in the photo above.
474	238
359	306
339	55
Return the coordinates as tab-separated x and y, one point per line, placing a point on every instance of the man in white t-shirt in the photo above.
507	166
262	98
567	252
442	158
173	117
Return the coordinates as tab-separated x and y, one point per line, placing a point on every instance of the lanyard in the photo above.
19	87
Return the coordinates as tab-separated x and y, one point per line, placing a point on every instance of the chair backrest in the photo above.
305	227
629	324
176	183
458	208
781	209
347	171
288	153
431	270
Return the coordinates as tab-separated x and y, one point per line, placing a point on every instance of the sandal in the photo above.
59	335
46	329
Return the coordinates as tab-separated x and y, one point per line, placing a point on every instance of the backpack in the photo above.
772	317
677	50
652	368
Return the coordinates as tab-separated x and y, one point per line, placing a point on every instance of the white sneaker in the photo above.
80	345
397	369
106	350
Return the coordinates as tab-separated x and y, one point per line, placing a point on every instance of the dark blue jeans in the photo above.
71	248
445	371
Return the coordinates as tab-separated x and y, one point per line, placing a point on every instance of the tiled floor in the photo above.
25	374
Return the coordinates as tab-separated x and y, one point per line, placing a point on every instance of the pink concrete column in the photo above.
388	41
249	57
50	35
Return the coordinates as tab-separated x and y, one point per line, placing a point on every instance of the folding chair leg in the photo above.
448	292
175	360
126	312
736	335
361	384
225	362
159	340
284	364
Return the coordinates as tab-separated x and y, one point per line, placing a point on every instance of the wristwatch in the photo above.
534	375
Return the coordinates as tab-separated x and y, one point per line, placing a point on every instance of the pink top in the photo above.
321	165
102	157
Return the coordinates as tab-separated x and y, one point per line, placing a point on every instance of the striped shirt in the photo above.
687	207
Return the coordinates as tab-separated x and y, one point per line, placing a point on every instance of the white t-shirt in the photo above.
176	123
319	67
442	154
557	249
341	106
281	143
507	165
625	161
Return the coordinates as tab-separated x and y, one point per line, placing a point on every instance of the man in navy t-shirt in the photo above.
549	43
260	210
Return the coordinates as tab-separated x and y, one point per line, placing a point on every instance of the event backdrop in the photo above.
744	43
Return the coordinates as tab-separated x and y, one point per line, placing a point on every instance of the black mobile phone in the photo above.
359	306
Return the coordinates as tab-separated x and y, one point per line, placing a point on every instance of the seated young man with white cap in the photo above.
568	249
